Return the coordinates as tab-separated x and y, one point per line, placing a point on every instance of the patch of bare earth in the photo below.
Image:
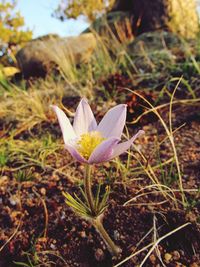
34	218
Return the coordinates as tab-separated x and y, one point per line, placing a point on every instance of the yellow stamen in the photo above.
88	142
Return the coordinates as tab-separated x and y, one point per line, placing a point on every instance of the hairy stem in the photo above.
114	250
88	189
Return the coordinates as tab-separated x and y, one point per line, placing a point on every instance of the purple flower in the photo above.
90	143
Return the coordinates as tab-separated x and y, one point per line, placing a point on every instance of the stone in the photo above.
155	40
41	56
154	51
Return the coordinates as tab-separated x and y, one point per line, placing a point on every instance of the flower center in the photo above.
88	142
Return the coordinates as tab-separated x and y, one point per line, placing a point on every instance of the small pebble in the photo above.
99	254
3	180
191	217
73	229
83	234
152	258
13	201
176	255
43	191
52	246
116	235
168	257
63	216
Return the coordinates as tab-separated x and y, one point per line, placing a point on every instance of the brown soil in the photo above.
37	225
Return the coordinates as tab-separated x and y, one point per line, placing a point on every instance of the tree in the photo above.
178	16
90	9
12	36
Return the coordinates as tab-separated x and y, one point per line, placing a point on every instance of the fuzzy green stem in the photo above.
88	189
114	250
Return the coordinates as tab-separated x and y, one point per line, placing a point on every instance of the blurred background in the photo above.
22	21
38	17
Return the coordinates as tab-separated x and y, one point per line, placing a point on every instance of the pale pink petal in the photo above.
103	151
123	147
84	120
65	125
75	154
113	122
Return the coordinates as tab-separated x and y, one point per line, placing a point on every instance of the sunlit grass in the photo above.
24	153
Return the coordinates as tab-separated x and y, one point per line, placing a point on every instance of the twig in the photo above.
11	237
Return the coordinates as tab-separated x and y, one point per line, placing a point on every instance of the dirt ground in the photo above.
38	228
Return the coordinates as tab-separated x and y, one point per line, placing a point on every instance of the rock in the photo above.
154	51
42	55
117	23
47	37
151	41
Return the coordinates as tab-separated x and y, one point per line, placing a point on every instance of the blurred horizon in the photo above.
38	18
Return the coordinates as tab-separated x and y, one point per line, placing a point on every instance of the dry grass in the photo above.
22	110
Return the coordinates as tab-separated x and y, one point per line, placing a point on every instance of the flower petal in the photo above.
103	151
75	154
123	147
65	125
84	120
113	122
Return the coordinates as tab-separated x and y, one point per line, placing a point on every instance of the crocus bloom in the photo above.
90	143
